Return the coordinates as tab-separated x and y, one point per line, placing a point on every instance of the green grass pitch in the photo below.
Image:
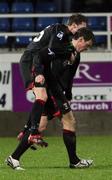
52	163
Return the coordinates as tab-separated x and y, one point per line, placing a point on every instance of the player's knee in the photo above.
40	93
44	97
69	120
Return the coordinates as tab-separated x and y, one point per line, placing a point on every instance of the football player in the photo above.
46	79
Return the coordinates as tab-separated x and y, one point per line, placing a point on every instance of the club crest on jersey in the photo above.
60	35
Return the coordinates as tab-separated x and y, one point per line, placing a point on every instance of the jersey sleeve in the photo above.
72	72
67	77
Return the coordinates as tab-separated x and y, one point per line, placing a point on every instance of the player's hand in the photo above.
72	58
40	79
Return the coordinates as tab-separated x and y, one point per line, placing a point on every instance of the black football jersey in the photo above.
50	44
56	37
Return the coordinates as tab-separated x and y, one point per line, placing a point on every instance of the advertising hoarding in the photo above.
92	88
5	86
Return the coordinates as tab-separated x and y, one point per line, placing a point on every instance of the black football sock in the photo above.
36	113
28	124
22	147
69	139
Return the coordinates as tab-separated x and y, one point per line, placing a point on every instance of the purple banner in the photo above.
91	106
94	74
20	103
89	74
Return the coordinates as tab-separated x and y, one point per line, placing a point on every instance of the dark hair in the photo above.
86	33
77	19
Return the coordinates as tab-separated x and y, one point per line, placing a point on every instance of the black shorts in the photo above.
26	62
60	98
56	106
51	110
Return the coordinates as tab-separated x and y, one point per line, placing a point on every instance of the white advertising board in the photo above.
5	86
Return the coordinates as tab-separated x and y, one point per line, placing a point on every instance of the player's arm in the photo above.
67	78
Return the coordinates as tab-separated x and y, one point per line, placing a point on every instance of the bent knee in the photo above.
40	93
69	121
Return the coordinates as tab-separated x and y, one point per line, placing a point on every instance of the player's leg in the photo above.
35	82
69	132
69	138
24	145
26	127
43	123
49	110
42	127
14	158
37	110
